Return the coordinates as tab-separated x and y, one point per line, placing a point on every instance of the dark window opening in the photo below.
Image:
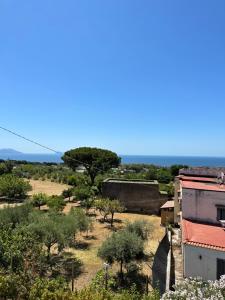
220	267
220	213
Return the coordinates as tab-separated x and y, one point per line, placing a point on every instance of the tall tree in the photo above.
95	160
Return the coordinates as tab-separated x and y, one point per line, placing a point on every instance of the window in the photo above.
220	267
220	213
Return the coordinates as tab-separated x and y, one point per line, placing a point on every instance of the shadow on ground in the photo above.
66	266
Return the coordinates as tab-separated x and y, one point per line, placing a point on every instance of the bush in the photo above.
67	193
196	289
56	203
82	193
87	204
11	216
141	228
72	180
98	283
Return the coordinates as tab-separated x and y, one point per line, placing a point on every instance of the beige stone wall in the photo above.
136	196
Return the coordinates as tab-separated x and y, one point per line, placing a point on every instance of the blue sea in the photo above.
132	159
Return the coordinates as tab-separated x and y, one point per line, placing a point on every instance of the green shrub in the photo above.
13	187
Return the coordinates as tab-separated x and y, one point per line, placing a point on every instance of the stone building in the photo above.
136	195
167	213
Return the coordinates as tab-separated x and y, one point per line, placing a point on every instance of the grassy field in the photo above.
47	187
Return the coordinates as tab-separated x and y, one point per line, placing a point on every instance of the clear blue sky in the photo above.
136	77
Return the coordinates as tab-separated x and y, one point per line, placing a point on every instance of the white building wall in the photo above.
200	205
206	267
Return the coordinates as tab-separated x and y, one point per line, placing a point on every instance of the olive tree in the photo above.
13	187
53	230
114	206
39	199
141	228
108	207
82	221
67	193
95	160
56	203
82	192
122	247
100	205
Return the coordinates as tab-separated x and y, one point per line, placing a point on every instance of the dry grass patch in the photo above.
87	246
47	187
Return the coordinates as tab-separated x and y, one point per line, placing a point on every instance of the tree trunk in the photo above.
48	252
92	177
104	218
112	219
121	268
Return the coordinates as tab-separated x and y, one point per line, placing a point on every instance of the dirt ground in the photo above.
47	187
88	246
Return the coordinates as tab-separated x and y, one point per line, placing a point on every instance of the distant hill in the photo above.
9	152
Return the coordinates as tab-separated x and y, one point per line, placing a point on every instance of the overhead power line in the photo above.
45	147
28	140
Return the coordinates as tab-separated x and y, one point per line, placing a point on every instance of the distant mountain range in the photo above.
30	157
9	151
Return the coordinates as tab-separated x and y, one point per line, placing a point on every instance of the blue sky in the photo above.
136	77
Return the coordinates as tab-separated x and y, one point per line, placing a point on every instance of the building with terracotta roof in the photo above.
167	213
200	201
203	250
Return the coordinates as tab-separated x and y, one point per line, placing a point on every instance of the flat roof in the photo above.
202	171
202	186
168	204
202	235
136	181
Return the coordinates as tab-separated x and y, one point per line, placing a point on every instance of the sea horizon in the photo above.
160	160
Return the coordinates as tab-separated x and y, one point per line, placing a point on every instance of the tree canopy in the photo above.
141	228
13	187
39	199
108	207
95	160
56	203
122	247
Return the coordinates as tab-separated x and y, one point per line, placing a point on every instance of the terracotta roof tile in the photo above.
202	235
202	186
197	178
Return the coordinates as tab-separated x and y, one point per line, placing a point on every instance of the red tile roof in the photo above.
201	235
197	178
202	186
168	204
